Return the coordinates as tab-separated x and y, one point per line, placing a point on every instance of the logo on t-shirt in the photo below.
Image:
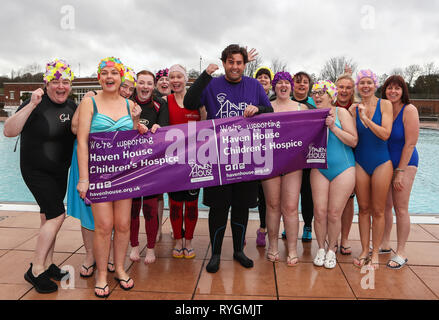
228	108
63	117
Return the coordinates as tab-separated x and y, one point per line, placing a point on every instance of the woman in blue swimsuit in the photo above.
76	207
373	166
402	148
98	114
332	187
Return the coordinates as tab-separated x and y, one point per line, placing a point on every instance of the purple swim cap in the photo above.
367	73
282	75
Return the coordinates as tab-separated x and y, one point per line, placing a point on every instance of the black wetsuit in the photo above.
154	111
45	153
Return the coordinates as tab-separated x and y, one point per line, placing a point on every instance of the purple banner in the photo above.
125	164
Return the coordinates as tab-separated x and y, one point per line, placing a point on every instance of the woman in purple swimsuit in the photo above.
373	166
402	147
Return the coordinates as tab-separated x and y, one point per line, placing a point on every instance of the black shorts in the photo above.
241	194
187	195
48	189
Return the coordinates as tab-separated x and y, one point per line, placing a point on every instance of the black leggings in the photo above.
262	208
306	198
218	222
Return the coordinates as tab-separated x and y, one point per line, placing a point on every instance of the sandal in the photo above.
273	257
126	281
398	260
290	263
190	253
179	253
111	269
345	250
87	268
385	251
319	260
361	262
103	289
330	260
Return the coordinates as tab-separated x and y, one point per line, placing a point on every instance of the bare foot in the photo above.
134	255
150	256
159	236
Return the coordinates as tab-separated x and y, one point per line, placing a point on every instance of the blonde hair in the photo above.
348	76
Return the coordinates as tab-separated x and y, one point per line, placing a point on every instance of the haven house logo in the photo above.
316	155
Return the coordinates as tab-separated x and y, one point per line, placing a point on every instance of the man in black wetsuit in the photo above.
249	98
44	123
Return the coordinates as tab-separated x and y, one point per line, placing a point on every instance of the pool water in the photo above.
424	197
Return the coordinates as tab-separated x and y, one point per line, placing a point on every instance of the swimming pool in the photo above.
424	197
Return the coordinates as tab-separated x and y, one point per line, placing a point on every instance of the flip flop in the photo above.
399	260
190	253
362	262
384	251
343	250
179	251
103	289
126	281
290	259
108	267
87	268
273	256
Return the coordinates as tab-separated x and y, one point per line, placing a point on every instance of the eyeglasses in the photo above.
320	93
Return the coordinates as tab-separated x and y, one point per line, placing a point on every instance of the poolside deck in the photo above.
180	279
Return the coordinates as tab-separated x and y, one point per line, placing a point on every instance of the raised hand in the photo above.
347	69
211	68
137	110
252	54
37	96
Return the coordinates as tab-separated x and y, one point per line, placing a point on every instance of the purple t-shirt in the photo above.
224	99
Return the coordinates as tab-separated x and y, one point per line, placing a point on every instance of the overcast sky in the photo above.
380	35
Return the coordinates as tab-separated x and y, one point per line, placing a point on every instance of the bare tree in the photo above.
335	67
429	69
411	73
382	79
252	66
397	72
277	65
33	68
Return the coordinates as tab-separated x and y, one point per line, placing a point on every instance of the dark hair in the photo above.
233	49
400	82
263	71
299	75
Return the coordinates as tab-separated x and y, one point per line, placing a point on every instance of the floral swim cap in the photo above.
112	62
58	69
327	86
367	74
130	75
161	73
